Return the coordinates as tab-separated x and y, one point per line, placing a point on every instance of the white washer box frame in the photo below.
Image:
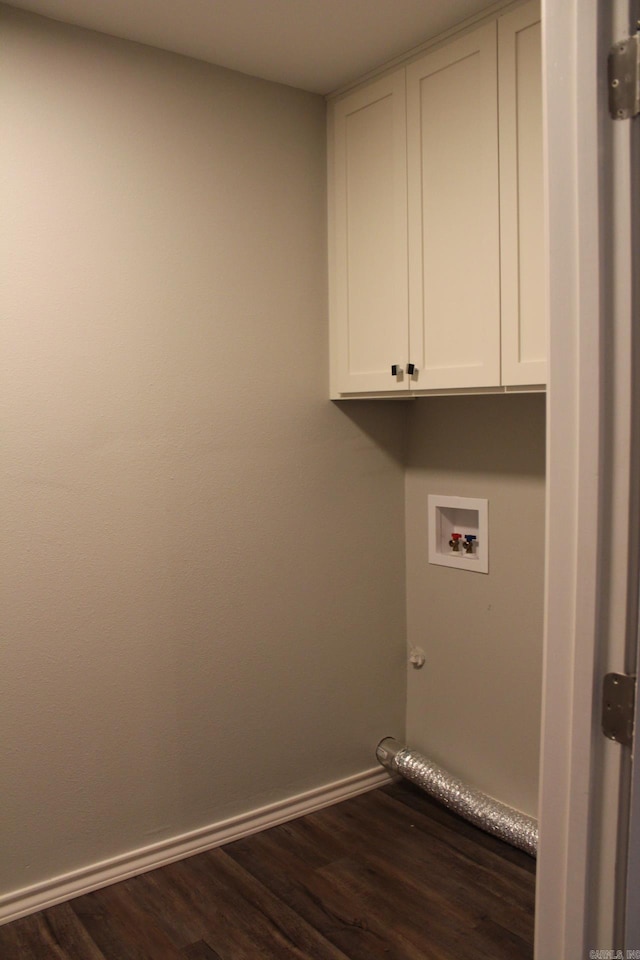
464	515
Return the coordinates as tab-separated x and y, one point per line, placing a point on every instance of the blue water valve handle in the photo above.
470	537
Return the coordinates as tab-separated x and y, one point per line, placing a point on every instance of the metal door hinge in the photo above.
618	699
624	78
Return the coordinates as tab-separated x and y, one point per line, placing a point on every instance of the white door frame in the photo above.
589	580
629	152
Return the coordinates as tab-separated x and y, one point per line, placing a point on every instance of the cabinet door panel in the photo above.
524	339
454	269
369	299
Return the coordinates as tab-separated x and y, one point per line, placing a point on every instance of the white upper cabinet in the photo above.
524	335
435	220
454	230
369	268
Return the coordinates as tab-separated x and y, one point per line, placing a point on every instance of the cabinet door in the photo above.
454	270
524	335
368	230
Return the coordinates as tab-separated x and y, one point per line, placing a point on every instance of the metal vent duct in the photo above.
502	821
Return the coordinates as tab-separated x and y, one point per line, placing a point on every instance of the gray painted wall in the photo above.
203	606
475	705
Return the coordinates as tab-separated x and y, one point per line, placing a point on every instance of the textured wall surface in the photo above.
203	605
474	708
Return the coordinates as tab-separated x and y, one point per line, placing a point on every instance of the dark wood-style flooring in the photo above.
389	874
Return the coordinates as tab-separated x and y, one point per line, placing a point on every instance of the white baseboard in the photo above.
58	889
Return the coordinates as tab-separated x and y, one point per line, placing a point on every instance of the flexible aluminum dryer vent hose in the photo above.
504	822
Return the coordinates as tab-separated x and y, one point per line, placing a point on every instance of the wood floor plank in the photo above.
431	859
326	902
389	826
159	896
411	796
28	937
121	927
453	928
21	939
385	815
442	880
243	918
54	934
492	940
388	875
430	865
424	919
10	940
200	951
